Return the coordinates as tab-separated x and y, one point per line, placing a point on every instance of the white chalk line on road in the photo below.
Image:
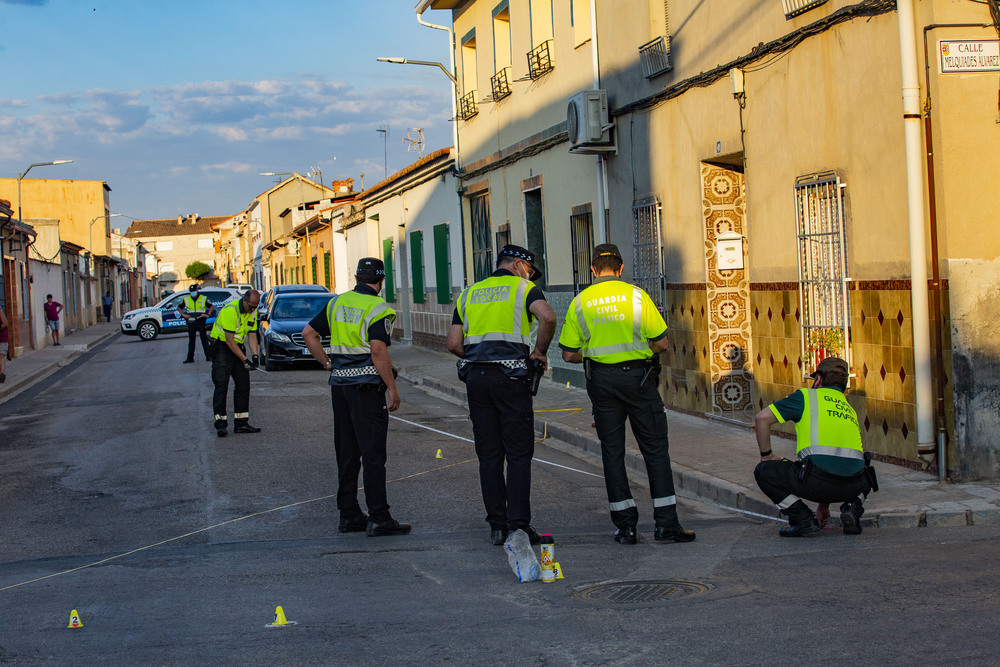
464	439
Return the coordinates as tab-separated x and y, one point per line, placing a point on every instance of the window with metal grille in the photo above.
795	7
500	83
482	249
390	272
326	269
503	236
540	60
417	264
467	107
315	267
647	249
581	229
655	57
442	263
821	231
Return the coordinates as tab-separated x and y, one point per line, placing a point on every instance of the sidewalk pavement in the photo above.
34	365
715	460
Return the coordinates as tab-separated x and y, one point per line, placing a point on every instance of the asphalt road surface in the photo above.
176	547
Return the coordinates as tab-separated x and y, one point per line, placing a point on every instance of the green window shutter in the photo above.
442	263
390	278
326	268
315	270
417	265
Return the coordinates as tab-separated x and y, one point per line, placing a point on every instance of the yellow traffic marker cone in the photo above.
279	619
74	620
439	455
567	385
557	570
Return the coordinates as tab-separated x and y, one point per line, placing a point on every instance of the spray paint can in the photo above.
548	558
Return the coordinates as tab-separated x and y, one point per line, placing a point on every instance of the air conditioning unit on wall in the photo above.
587	122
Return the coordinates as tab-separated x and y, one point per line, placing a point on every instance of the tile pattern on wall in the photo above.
728	295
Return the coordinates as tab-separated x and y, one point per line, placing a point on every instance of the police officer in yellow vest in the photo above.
196	309
615	329
235	326
362	386
491	333
831	467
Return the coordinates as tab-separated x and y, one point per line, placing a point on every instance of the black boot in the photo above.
850	516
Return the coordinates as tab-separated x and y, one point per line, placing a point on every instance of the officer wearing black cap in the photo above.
491	333
362	386
615	329
832	466
196	309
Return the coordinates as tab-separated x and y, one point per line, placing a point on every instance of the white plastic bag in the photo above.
522	557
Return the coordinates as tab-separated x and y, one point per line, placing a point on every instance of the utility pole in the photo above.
384	131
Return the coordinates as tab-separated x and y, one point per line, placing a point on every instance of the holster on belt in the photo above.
587	366
870	472
652	374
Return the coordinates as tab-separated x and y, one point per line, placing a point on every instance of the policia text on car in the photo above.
491	332
615	329
832	466
362	387
229	359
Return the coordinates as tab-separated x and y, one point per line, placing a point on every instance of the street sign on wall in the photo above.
959	56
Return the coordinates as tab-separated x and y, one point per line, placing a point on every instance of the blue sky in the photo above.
179	104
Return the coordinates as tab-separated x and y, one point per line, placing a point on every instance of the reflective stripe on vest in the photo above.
636	344
837	435
244	322
509	325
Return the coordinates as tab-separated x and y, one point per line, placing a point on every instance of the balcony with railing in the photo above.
500	82
655	57
540	60
467	106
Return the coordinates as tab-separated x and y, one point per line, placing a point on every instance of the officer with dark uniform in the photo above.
831	467
230	332
615	329
196	309
491	332
362	386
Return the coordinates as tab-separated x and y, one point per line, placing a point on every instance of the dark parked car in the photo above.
280	328
268	296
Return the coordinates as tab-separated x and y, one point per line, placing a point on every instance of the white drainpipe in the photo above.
602	181
918	245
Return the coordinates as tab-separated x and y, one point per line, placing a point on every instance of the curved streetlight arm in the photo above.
407	61
25	173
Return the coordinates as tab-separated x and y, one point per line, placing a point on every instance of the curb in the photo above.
74	351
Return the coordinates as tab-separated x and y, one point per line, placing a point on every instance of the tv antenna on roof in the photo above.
415	144
384	131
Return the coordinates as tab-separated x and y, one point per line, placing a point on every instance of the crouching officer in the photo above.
615	329
362	381
196	309
491	332
229	359
832	465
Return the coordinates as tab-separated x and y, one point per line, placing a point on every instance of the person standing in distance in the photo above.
491	333
832	467
229	335
615	329
196	309
106	303
362	387
52	310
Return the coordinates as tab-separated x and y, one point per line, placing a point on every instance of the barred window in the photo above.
581	229
482	250
647	250
821	230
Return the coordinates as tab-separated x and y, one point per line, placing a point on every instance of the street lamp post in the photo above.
25	173
106	216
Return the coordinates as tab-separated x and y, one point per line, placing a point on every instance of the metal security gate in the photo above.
823	297
582	235
647	249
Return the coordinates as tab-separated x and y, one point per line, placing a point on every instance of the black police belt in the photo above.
514	364
628	364
354	372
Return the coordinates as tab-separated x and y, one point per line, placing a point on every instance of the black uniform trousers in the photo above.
614	393
360	427
787	482
196	325
503	426
227	365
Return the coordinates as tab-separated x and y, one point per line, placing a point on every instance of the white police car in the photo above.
163	318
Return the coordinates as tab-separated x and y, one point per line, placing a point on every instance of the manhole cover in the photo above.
633	592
